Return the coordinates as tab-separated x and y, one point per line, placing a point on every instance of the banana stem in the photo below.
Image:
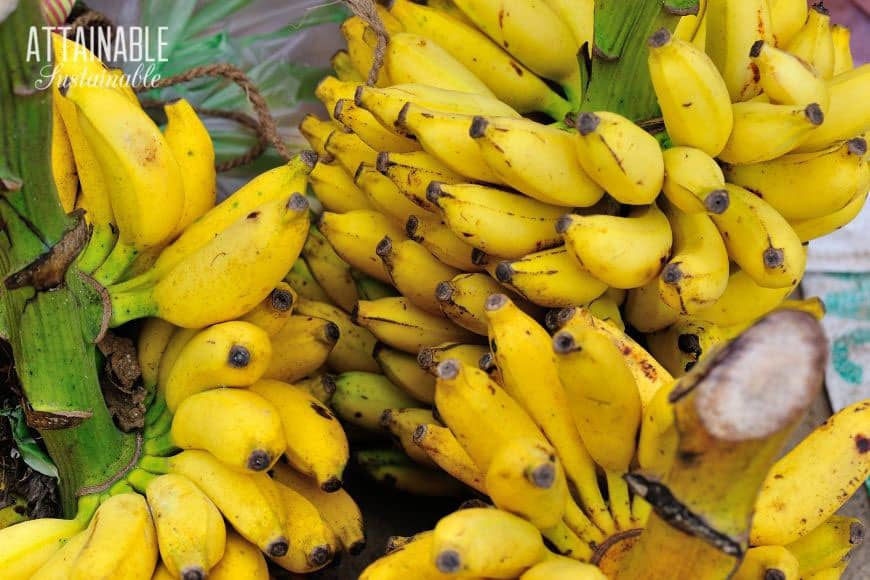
127	306
114	267
139	479
147	278
156	465
98	249
154	412
160	446
160	426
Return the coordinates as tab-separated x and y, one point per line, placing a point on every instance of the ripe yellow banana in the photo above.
697	273
272	313
394	470
578	16
441	446
813	43
606	308
486	542
462	300
191	145
550	278
561	568
385	195
403	371
848	112
402	424
316	131
644	308
241	559
468	354
344	69
63	165
231	354
836	456
303	283
355	345
622	158
828	544
743	300
335	189
810	229
535	159
349	150
301	347
786	18
764	131
58	567
361	398
415	272
510	81
443	243
153	339
361	49
355	235
524	356
694	98
313	544
759	240
786	79
369	130
791	183
411	560
190	530
623	252
237	426
330	271
680	346
516	225
413	172
691	176
841	37
767	562
731	29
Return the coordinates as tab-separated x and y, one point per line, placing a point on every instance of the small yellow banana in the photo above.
272	313
241	559
468	354
764	131
691	176
369	130
828	544
313	544
334	187
644	308
385	195
412	173
444	244
360	49
349	150
812	228
344	69
441	446
462	300
743	300
732	26
361	398
63	165
786	18
842	37
786	79
402	424
355	235
355	345
415	272
848	112
331	272
767	562
316	131
412	560
301	347
403	371
813	43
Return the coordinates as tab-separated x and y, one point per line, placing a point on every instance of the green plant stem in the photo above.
132	305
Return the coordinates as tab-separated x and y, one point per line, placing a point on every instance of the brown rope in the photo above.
366	10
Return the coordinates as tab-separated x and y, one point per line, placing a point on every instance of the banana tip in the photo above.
503	272
563	342
773	257
486	362
814	114
587	123
543	476
403	115
448	369
479	257
411	227
434	191
383	162
756	48
239	356
444	291
386	418
671	274
358	95
426	358
556	319
193	573
331	485
659	38
563	223
297	202
774	574
856	533
309	158
259	460
448	561
384	247
64	86
495	302
689	343
419	433
333	332
478	127
281	299
278	548
717	201
857	146
821	8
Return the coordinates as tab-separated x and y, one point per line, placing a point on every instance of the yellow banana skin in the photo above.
813	43
787	17
316	443
813	228
578	16
468	354
312	543
462	300
385	195
241	559
400	324
63	165
843	443
355	235
403	371
344	69
329	270
623	252
191	145
237	426
508	79
443	243
516	225
190	529
316	131
485	542
791	183
524	356
841	37
767	562
232	354
828	544
335	188
301	347
680	346
395	470
153	339
349	150
359	50
414	271
402	424
694	99
441	446
412	173
355	345
59	565
644	309
535	159
786	79
622	158
743	300
764	131
272	313
361	398
848	114
732	27
561	568
337	508
368	129
759	240
411	560
550	278
697	273
691	176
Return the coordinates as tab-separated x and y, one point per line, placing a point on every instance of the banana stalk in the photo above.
50	315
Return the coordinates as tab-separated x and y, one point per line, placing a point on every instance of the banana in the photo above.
786	79
446	137
63	164
813	43
813	228
444	244
462	300
764	131
394	470
767	562
743	300
191	145
190	529
329	91
680	346
414	271
122	542
330	271
335	188
355	235
516	225
732	26
691	176
533	33
316	131
697	273
313	544
622	158
561	568
791	183
385	195
303	283
657	441
578	16
510	81
468	354
241	559
623	252
442	448
349	150
245	499
412	173
316	443
371	289
360	49
59	565
828	544
842	443
841	37
645	310
150	346
369	130
320	386
524	355
412	560
28	545
402	424
231	354
759	240
403	371
535	159
237	426
355	345
401	325
361	398
786	18
694	98
606	308
486	542
848	113
607	417
344	69
550	278
301	347
275	309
